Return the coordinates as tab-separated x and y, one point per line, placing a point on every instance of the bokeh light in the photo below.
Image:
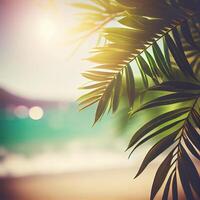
21	111
36	113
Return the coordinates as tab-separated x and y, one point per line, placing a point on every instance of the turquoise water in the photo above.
58	126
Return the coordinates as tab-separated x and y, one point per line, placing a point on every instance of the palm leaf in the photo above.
118	51
161	175
180	132
168	69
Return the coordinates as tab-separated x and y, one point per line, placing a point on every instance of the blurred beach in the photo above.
60	156
48	149
112	184
53	158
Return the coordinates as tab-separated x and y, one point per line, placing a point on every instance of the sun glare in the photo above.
46	28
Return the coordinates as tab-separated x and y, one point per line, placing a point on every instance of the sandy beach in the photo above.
112	184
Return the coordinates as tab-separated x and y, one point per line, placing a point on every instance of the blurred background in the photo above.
48	149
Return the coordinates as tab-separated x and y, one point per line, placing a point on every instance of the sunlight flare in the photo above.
46	28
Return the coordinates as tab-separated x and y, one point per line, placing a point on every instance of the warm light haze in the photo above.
34	52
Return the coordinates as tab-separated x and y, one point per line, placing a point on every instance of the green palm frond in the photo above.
192	51
181	127
161	38
164	21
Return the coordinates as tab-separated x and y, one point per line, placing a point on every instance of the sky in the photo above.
34	55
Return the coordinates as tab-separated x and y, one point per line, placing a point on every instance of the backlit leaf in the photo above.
130	84
177	86
103	102
161	175
174	188
117	91
166	190
154	123
156	150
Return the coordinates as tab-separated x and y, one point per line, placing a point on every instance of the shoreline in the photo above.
112	184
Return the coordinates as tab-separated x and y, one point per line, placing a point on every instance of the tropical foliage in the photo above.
161	38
